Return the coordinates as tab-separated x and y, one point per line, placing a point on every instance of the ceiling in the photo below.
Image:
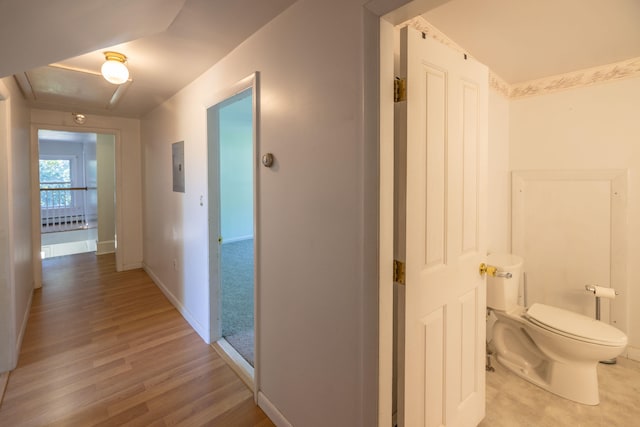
55	48
525	40
168	44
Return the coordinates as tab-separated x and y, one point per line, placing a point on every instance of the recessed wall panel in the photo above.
434	367
435	166
470	178
469	344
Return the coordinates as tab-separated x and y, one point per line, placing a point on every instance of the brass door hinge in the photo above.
398	271
399	90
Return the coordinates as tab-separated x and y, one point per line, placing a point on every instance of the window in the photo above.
55	173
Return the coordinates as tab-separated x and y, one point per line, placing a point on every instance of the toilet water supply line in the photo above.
602	292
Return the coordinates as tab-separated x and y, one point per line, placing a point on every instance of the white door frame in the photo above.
8	334
386	225
249	375
35	191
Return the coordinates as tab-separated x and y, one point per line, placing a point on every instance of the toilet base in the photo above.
522	349
576	382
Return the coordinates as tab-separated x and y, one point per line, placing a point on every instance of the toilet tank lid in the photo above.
576	324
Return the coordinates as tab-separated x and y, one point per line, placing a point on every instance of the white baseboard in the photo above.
272	412
237	363
132	266
633	353
23	327
200	330
4	379
105	247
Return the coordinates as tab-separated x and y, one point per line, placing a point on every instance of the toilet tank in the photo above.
502	293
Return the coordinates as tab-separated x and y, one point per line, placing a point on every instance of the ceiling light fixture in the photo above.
79	118
114	70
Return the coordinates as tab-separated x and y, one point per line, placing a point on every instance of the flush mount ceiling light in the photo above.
79	118
114	70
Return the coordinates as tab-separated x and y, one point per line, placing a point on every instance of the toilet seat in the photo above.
574	325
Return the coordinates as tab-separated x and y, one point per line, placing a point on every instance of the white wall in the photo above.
594	127
128	161
16	273
313	259
499	187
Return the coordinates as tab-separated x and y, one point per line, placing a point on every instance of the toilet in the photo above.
556	349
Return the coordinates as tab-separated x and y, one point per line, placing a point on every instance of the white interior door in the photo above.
446	143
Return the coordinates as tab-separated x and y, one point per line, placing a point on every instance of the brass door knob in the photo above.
487	269
493	271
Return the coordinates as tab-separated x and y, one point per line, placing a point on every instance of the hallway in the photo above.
107	348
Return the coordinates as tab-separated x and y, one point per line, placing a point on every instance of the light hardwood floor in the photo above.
514	402
108	349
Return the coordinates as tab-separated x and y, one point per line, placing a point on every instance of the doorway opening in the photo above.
232	219
76	192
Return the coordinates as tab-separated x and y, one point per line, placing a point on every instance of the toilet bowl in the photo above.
553	348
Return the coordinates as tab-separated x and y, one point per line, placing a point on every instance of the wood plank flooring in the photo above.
108	349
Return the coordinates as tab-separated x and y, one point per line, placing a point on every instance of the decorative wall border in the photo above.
581	78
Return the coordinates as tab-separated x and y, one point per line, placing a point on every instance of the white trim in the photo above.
386	225
36	224
272	412
632	353
132	266
8	359
23	328
4	380
105	247
35	190
255	88
237	239
235	361
251	82
200	330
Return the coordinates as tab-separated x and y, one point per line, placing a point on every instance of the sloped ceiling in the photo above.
526	40
168	44
36	33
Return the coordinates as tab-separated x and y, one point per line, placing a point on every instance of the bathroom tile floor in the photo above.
514	402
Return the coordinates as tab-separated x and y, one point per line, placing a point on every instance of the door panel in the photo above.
434	363
446	128
470	181
434	171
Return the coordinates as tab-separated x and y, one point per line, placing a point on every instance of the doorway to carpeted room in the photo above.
237	296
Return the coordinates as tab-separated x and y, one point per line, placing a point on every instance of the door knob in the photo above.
493	271
487	269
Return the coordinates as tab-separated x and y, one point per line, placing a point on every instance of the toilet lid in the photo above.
575	325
